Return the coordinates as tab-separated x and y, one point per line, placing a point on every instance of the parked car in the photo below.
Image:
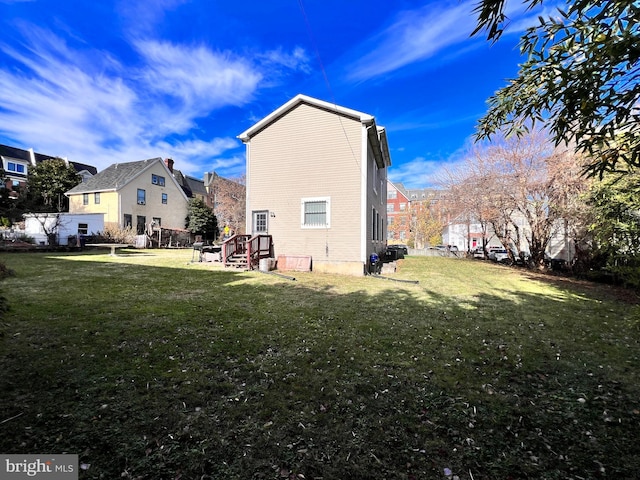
523	258
478	253
403	248
500	256
394	252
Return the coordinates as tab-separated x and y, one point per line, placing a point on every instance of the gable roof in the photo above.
195	185
118	175
377	135
399	188
191	185
365	118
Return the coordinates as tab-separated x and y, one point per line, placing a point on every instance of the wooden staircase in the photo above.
236	260
245	251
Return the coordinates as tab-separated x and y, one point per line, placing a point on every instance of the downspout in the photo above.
364	183
247	207
120	213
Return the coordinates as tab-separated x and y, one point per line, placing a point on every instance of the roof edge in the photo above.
365	118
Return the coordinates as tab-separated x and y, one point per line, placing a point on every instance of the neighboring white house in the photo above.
317	183
63	225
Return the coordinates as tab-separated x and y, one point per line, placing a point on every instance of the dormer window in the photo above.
15	167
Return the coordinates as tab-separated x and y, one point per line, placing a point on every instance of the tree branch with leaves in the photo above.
581	78
47	183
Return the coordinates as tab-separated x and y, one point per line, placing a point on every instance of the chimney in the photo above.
169	163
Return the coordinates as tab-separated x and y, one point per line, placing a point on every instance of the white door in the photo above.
260	224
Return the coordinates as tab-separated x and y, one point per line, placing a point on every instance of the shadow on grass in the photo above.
152	373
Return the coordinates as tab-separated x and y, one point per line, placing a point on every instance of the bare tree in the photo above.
469	199
522	188
229	200
50	223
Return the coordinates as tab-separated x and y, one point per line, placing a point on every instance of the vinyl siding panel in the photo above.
309	152
376	203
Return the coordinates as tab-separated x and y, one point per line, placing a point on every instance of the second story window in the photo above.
157	180
96	198
85	199
142	197
164	198
16	167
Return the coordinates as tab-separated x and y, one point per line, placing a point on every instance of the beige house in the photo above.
317	183
143	194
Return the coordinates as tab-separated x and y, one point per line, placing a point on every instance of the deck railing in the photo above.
258	247
250	249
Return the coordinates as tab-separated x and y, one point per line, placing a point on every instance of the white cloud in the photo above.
439	29
414	36
414	173
198	77
87	106
423	173
296	60
142	17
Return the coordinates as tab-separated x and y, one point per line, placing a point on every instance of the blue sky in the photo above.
107	81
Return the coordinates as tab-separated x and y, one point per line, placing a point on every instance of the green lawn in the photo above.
151	367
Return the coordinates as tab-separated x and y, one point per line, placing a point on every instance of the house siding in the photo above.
309	152
108	205
172	214
376	201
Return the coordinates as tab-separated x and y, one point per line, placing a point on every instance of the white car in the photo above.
499	256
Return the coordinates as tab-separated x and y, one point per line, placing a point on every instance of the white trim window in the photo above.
157	180
16	167
315	212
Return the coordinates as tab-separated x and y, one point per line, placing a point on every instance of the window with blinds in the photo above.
316	212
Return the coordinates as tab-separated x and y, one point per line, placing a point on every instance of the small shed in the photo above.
40	226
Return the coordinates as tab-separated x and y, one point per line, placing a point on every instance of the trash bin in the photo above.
374	261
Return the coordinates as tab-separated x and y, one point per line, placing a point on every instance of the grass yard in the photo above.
151	367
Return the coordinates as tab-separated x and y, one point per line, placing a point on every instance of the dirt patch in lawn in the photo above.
601	291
